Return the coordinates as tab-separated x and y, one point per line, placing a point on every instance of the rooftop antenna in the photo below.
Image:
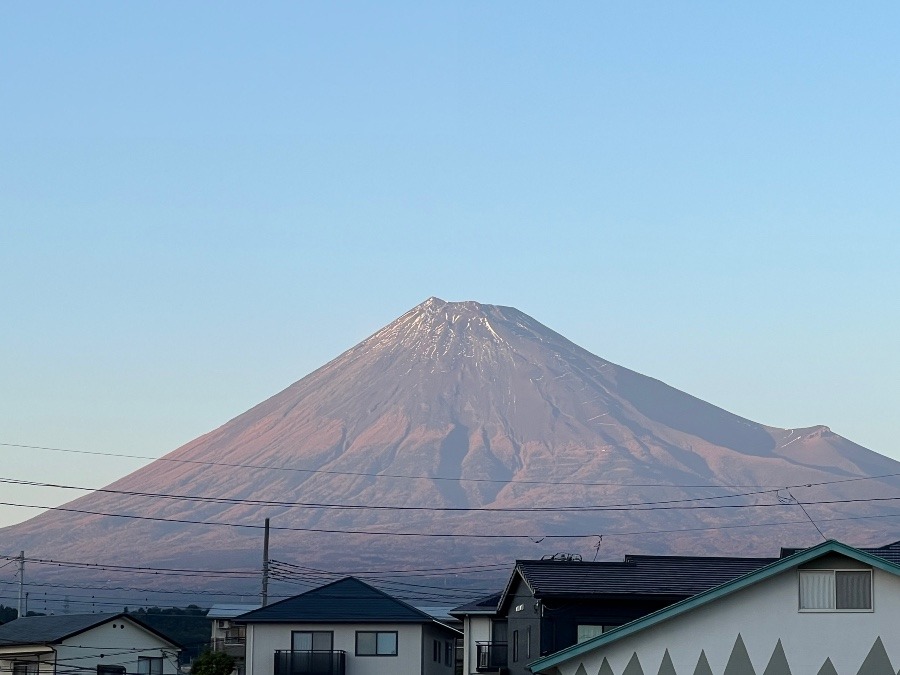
597	546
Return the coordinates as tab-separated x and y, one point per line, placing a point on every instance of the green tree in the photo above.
212	663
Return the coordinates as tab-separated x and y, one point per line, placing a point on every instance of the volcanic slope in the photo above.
460	405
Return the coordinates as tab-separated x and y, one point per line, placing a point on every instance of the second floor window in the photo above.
836	590
312	640
150	665
376	643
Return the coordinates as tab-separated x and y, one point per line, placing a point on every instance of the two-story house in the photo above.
347	628
228	636
553	603
831	609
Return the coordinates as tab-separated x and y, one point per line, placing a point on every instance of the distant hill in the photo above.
459	405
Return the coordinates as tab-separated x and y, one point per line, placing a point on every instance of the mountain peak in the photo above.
463	405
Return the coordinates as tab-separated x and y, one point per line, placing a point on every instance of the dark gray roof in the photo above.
346	601
889	552
637	575
30	630
485	605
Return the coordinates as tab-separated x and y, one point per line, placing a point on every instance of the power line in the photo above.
325	505
434	478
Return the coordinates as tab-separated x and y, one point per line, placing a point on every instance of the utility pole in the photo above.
265	574
21	608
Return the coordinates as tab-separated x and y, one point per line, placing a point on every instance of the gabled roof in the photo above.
637	575
712	595
486	606
890	552
53	629
346	601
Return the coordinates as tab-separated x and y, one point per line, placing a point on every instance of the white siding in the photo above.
264	639
477	629
762	614
120	642
115	643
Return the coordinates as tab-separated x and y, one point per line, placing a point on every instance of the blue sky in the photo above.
202	202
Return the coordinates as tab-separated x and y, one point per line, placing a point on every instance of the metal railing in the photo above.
310	662
491	656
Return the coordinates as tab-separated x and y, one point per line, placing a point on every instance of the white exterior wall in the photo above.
476	629
115	643
120	642
762	614
45	661
264	639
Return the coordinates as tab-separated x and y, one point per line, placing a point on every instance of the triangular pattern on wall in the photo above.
778	663
827	668
877	662
739	662
667	667
606	669
702	665
581	670
634	666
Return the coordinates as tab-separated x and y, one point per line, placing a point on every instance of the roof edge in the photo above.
701	599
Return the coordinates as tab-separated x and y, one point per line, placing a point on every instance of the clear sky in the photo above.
200	203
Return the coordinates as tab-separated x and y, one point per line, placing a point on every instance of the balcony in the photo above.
234	646
309	663
491	656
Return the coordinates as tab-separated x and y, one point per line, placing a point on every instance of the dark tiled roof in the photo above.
637	575
48	629
889	552
30	630
346	601
486	605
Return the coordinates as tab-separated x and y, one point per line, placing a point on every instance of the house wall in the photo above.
523	614
433	632
264	639
476	629
119	642
762	615
45	662
554	621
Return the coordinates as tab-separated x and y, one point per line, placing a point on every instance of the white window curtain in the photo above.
817	589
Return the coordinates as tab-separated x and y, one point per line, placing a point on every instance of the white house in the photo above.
347	628
105	644
827	610
484	649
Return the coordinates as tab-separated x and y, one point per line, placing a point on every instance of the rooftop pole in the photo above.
265	570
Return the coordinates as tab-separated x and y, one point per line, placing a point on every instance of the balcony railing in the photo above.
491	656
310	663
233	646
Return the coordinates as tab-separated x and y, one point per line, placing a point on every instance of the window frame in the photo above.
312	640
515	646
31	667
376	633
832	610
151	661
448	653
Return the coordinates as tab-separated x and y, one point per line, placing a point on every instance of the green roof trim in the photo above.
777	567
